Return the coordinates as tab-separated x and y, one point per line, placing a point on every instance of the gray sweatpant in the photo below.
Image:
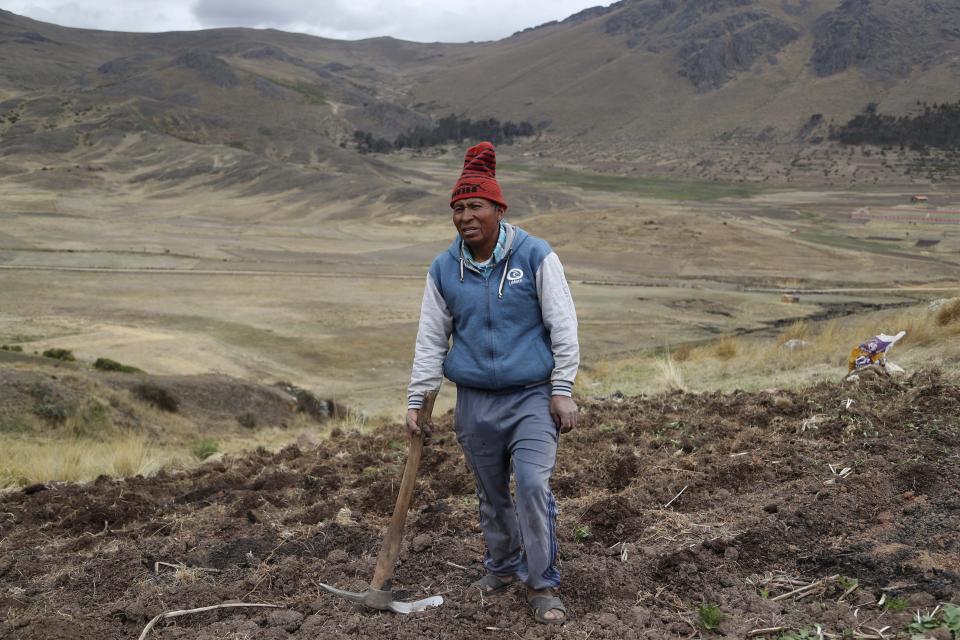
500	430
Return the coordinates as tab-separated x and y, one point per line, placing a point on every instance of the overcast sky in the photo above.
419	20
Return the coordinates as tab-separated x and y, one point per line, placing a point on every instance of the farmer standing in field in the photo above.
501	294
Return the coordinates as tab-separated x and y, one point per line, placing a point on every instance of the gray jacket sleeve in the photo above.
560	318
433	341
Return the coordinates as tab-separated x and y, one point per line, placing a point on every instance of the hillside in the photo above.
239	110
660	83
672	70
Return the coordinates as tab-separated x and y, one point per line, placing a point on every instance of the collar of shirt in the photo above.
498	250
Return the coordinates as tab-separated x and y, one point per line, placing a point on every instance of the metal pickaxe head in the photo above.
383	600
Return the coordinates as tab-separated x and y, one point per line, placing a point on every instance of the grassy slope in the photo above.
648	187
66	421
761	363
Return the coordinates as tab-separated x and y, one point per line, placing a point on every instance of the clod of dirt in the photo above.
421	542
34	488
345	517
338	556
287	618
308	440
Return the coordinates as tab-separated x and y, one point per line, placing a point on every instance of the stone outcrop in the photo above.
208	66
885	40
712	40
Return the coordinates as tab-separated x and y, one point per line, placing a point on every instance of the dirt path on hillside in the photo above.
768	493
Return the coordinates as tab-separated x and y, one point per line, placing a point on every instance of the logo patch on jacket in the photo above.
514	276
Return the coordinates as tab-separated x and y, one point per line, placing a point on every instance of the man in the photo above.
501	295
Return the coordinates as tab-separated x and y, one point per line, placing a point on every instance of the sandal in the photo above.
542	604
492	583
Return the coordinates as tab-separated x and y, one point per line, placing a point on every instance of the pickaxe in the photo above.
376	596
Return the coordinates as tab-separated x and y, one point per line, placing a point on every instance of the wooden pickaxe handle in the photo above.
390	549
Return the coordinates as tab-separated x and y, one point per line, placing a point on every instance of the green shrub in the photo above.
204	449
847	583
54	410
59	354
807	633
106	364
157	396
14	424
11	347
581	533
93	420
924	622
710	616
951	619
946	615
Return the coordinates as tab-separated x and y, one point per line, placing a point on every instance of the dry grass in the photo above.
26	461
831	334
727	347
133	456
799	330
110	432
949	313
669	375
72	453
682	353
744	363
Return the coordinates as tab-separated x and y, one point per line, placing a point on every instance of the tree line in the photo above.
937	125
446	130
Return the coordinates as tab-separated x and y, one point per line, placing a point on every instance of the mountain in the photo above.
263	111
258	111
668	70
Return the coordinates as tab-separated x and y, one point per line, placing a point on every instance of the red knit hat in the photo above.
479	176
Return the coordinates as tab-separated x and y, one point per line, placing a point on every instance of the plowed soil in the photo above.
768	493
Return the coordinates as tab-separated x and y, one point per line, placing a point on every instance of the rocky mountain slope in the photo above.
668	70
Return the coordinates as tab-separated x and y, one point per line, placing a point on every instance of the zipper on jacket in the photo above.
487	294
503	276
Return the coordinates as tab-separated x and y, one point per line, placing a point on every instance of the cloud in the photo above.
129	15
253	13
333	18
419	20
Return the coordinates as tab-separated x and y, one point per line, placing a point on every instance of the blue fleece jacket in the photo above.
499	340
514	328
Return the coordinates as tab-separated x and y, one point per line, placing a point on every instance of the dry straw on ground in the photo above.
758	363
669	374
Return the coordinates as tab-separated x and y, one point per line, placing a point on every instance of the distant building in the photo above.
790	298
